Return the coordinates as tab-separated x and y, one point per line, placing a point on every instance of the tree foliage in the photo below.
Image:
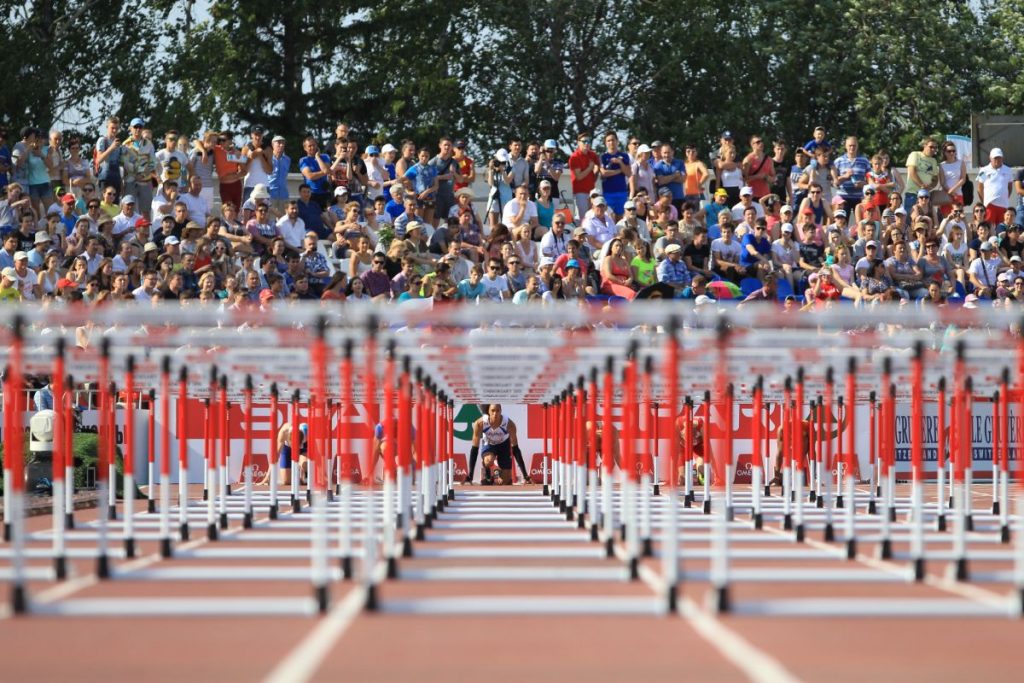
679	70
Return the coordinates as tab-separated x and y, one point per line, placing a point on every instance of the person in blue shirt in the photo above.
315	167
817	141
472	288
5	161
849	174
311	212
670	172
756	256
277	183
615	169
422	179
396	205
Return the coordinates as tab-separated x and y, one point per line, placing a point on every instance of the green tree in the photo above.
1004	81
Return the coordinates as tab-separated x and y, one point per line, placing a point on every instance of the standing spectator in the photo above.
642	175
849	175
548	166
107	156
277	179
316	169
171	163
995	183
922	172
445	167
669	173
696	175
615	173
201	163
228	162
584	165
423	181
139	159
465	169
258	165
758	169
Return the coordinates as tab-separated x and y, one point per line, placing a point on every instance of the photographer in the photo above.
499	177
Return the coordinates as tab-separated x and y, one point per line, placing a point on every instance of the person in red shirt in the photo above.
466	173
584	165
227	160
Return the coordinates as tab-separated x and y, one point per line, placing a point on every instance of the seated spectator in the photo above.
599	224
756	257
616	275
376	280
767	293
672	271
472	288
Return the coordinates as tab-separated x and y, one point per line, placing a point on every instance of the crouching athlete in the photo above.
500	445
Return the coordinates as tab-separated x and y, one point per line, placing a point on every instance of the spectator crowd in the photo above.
136	218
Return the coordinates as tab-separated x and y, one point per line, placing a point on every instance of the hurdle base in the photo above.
545	491
892	514
885	549
19	600
839	502
787	522
819	502
69	520
1004	534
320	594
657	490
420	536
399	520
872	507
371	599
211	532
707	507
407	547
103	567
960	569
950	503
247	520
568	514
223	520
346	568
112	513
648	547
165	548
730	513
272	512
688	500
940	523
560	504
151	506
995	507
919	569
392	568
60	567
851	549
800	533
720	600
830	533
969	522
296	505
129	547
183	531
451	494
758	521
594	532
767	490
672	599
609	547
309	496
634	569
812	496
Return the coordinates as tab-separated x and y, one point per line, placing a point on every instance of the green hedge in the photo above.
86	448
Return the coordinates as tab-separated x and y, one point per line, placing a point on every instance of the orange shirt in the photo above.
224	167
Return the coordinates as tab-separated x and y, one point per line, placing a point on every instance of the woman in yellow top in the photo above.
9	285
643	265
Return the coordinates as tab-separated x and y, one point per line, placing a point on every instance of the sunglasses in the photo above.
378	263
869	192
494	268
93	206
513	263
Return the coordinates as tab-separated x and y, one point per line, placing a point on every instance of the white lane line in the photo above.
755	663
304	661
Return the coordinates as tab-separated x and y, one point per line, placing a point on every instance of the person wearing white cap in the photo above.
746	202
499	177
642	176
37	255
277	179
984	270
786	256
994	183
549	166
9	290
139	159
28	282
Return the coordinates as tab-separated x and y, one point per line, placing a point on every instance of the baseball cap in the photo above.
579	230
672	248
1015	258
726	134
808	211
600	201
971	301
150	246
572	263
1003	277
461	144
257	129
413	225
550	144
630	204
388	147
127	199
996	152
68	199
786	208
900	210
43	237
546	261
9	273
924	193
841	212
372	149
703	300
501	155
172	240
64	282
888	213
986	246
643	149
142	223
259	191
721	192
871	243
19	255
136	122
340	190
278	138
745	190
787	227
266	295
